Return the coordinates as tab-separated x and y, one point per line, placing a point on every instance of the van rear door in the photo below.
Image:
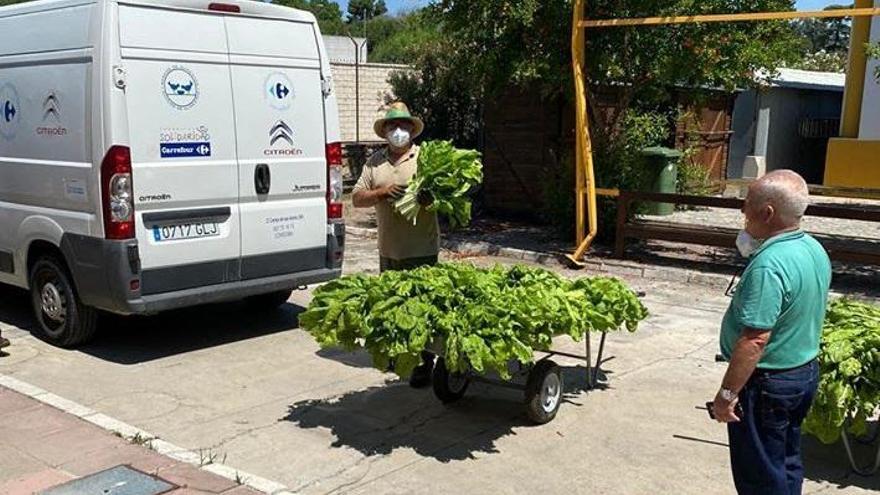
181	128
280	135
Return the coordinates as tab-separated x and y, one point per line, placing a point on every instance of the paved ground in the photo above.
42	447
257	390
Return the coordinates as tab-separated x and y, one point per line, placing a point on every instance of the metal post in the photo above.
599	358
357	86
589	363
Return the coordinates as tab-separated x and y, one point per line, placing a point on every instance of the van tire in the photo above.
62	319
270	301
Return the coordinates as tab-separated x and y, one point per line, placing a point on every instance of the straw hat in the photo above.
399	111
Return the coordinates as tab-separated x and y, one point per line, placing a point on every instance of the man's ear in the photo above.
769	213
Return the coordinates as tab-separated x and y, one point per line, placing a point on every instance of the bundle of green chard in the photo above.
849	367
446	174
478	319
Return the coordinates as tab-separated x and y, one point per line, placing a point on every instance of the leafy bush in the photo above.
849	373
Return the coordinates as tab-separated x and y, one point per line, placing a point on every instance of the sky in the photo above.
397	5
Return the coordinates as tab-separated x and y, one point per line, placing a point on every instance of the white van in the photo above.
156	155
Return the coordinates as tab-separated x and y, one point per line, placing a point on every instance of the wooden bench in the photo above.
845	249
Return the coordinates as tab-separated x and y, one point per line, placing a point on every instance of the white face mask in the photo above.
399	137
747	244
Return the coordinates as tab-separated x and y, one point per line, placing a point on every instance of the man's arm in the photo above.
364	198
743	361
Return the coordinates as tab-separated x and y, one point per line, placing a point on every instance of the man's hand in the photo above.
724	411
393	191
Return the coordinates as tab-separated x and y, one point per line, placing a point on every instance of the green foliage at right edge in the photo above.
849	380
478	319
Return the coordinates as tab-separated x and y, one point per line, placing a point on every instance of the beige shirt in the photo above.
399	239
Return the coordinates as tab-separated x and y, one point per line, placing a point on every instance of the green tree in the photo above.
829	35
415	35
327	12
874	52
364	10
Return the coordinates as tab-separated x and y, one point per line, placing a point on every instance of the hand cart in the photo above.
867	470
543	387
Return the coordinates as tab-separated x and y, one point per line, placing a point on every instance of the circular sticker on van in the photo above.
10	110
279	91
181	88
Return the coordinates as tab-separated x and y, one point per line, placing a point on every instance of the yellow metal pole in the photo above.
855	74
577	60
585	175
756	16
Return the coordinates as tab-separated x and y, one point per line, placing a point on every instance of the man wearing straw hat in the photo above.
402	245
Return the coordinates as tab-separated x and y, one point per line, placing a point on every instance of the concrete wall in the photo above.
374	92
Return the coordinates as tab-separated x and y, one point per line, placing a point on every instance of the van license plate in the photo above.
182	231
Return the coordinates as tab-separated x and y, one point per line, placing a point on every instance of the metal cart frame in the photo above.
544	385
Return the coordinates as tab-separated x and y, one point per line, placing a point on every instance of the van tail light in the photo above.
334	182
224	7
117	192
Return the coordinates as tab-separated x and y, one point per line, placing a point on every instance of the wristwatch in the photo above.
728	395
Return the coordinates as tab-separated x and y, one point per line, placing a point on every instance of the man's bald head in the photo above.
776	201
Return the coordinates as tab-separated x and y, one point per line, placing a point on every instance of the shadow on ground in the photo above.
829	463
379	420
138	339
15	307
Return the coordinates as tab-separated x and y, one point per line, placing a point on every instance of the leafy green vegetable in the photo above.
479	319
447	174
849	381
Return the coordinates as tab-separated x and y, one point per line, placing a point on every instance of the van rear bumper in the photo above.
104	272
226	292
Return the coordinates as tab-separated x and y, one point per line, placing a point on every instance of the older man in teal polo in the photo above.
770	336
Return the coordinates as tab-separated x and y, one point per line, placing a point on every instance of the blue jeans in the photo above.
765	447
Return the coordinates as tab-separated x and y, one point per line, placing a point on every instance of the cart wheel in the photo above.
544	392
448	387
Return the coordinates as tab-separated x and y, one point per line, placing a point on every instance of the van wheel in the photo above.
269	301
62	319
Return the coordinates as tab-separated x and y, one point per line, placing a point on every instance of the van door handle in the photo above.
262	179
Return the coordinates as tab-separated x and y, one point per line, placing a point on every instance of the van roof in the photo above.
248	7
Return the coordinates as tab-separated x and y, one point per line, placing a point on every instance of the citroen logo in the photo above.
51	107
280	131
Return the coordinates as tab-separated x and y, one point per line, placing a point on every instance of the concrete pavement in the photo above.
256	390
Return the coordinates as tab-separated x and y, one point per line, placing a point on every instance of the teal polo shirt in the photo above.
784	289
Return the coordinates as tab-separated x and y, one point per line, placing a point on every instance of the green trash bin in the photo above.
662	164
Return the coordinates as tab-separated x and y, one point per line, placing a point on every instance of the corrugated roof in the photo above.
808	79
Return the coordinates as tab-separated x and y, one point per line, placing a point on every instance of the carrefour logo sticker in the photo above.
180	87
186	150
278	91
10	111
185	143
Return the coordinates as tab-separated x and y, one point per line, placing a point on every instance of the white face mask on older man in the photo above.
399	137
746	244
